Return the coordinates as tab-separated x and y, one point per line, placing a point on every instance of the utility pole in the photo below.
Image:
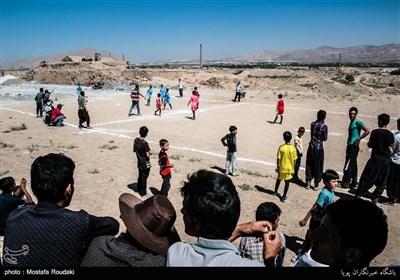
201	56
340	58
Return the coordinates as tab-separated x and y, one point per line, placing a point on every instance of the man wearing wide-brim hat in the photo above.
149	233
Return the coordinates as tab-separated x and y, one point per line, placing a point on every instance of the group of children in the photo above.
45	109
163	99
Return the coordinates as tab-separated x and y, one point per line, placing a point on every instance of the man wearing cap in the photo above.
57	118
149	233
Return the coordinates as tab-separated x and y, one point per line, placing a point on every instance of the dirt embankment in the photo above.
325	82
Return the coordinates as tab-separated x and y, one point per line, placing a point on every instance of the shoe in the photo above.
375	200
235	175
344	185
89	127
390	202
129	114
80	126
283	199
276	194
315	189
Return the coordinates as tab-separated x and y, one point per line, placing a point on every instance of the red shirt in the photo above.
56	112
281	106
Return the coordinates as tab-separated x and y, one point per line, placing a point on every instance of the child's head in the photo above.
158	94
232	129
280	96
164	144
193	92
7	184
301	131
287	136
330	179
167	89
195	88
269	211
143	131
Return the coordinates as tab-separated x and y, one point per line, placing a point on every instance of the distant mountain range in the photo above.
389	53
326	54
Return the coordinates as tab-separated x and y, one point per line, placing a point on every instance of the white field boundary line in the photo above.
170	114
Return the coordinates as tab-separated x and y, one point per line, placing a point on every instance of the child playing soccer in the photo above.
286	158
158	105
165	166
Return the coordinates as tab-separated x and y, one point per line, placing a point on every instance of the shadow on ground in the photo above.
222	170
294	243
154	190
264	190
133	186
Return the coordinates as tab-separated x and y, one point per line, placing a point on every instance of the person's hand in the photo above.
272	244
23	182
172	165
302	223
277	170
251	228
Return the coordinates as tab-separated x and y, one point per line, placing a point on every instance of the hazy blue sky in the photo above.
146	31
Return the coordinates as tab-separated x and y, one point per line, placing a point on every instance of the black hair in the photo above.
232	128
353	109
268	211
384	119
287	136
163	142
212	203
321	115
143	131
50	176
365	221
329	175
6	184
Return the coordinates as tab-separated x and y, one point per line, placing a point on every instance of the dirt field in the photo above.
106	165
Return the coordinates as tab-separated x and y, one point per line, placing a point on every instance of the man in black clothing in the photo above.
48	234
143	153
376	170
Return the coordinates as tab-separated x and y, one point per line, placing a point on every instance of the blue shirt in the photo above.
207	252
354	131
325	197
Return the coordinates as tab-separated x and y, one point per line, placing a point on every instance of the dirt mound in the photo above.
85	73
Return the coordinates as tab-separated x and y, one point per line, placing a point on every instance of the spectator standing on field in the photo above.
165	167
285	161
142	149
315	151
39	103
230	140
280	108
83	112
180	87
350	169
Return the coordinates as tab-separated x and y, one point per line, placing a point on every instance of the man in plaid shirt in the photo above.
315	152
